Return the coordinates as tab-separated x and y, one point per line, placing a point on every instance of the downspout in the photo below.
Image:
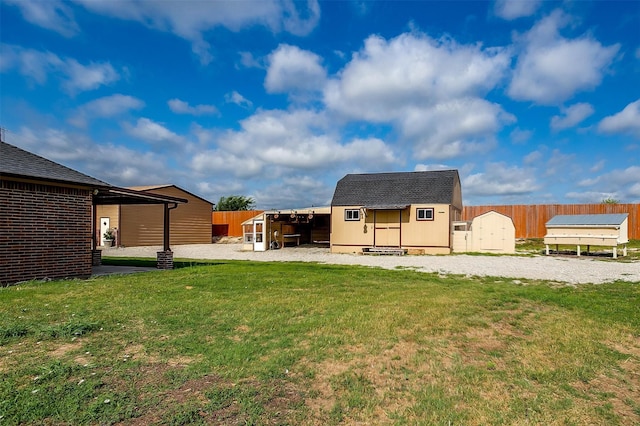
167	224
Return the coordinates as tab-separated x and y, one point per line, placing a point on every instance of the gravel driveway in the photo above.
570	270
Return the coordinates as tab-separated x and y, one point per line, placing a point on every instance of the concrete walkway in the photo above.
103	270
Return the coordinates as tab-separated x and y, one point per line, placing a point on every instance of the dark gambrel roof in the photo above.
389	189
18	162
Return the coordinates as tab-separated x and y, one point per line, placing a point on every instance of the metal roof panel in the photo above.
588	220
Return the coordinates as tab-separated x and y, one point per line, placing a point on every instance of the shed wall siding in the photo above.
142	225
45	232
431	233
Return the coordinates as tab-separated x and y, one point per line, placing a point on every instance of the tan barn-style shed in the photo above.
608	230
490	232
396	213
142	225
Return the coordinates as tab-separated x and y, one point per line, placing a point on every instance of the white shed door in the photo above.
492	234
258	236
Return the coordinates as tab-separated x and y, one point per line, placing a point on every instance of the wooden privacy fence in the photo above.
229	224
530	220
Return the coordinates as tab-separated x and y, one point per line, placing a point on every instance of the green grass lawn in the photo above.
537	246
239	343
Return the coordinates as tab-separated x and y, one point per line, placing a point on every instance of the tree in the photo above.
610	200
235	203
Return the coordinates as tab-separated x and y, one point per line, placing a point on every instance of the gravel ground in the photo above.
570	270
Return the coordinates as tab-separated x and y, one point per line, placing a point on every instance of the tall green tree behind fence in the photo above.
530	220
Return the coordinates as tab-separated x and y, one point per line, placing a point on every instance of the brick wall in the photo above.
45	232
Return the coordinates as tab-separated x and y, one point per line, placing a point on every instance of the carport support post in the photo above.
165	257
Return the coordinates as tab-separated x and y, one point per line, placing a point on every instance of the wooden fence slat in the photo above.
233	219
530	220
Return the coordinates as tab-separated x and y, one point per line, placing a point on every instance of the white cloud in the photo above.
513	9
50	14
236	98
450	129
292	192
415	70
272	142
248	60
181	107
150	131
502	180
520	136
108	106
546	71
597	166
560	163
111	163
626	121
620	184
292	69
193	21
430	167
38	66
88	77
430	89
532	157
572	116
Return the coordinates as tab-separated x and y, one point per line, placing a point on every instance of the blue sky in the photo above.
532	101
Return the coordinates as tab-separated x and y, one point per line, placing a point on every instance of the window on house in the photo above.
352	214
424	214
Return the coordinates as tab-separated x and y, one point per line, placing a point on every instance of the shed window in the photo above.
352	214
424	214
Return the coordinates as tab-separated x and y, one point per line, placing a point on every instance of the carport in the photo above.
122	196
274	229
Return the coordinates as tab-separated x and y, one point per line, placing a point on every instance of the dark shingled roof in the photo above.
396	189
18	162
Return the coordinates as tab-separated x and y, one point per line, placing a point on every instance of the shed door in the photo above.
387	228
258	236
491	234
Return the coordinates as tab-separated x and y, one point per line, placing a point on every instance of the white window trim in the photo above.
354	212
425	209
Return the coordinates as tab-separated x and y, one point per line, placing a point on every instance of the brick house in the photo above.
46	215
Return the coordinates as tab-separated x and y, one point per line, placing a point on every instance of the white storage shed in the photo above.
490	232
608	230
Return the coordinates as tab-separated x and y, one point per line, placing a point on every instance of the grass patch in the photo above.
536	246
297	343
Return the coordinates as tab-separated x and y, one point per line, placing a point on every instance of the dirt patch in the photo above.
387	372
620	390
65	349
